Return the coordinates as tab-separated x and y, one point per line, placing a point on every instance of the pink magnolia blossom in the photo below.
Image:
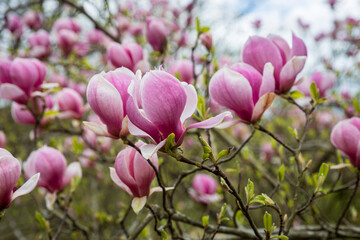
70	103
267	151
59	78
323	82
32	19
156	33
40	45
107	96
68	24
346	137
125	55
159	105
184	68
19	78
14	24
10	171
82	49
244	90
55	175
206	40
133	174
204	189
66	40
2	139
287	62
95	37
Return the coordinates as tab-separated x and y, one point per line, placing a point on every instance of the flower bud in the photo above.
70	103
14	24
66	40
40	45
156	33
95	37
55	175
68	24
204	189
125	55
183	69
26	76
206	40
287	62
32	19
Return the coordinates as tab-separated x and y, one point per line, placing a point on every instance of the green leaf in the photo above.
267	222
258	199
177	75
201	106
205	221
222	211
204	29
41	220
282	237
324	169
314	91
163	235
223	153
249	191
170	142
74	183
356	104
51	113
197	24
281	173
294	132
206	148
296	94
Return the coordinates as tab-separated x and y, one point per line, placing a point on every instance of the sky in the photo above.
231	21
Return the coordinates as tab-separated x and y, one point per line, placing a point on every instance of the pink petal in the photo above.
282	45
98	129
298	47
115	178
191	101
268	80
345	137
140	126
232	90
289	72
211	122
73	170
164	100
258	51
138	203
106	102
12	92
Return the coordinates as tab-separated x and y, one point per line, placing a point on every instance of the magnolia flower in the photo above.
287	62
244	90
51	164
40	45
204	189
125	55
19	78
107	96
70	103
159	105
346	137
184	69
133	174
156	33
323	82
10	171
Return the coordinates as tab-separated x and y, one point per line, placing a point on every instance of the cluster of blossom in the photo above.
152	104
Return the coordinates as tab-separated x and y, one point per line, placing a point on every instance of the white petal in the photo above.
50	199
148	150
27	187
98	129
138	203
158	189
